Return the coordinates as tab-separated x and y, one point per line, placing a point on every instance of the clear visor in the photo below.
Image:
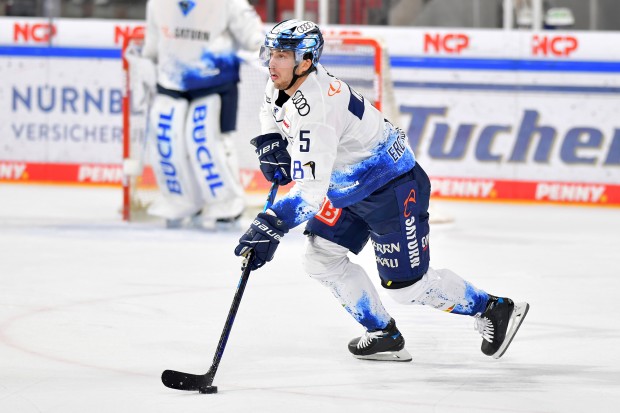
280	58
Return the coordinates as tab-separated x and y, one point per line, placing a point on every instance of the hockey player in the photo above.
194	46
355	178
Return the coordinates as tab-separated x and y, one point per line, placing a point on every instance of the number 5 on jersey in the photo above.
304	146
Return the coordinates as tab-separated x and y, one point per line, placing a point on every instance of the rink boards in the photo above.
491	114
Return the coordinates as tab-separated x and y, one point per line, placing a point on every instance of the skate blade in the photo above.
401	355
517	317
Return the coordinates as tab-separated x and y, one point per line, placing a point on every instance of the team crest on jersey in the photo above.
334	88
186	6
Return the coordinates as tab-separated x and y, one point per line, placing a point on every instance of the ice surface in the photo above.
92	310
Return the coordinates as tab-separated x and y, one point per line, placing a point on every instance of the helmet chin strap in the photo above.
296	76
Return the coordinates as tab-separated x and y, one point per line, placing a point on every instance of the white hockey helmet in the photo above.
301	36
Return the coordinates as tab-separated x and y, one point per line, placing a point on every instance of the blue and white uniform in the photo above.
356	178
341	147
195	43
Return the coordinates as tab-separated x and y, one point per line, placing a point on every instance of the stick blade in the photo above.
184	381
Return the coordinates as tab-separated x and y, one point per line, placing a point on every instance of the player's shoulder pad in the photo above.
311	99
332	88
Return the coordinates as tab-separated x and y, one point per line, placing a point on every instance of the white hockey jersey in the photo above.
340	145
194	42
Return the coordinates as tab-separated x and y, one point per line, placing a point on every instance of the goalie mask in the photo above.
300	36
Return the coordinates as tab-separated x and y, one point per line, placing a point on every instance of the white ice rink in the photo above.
92	310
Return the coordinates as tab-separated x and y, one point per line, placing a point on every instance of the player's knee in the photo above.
324	268
323	259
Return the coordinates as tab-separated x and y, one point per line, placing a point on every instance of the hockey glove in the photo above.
263	237
273	157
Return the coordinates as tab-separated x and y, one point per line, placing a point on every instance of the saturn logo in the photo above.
334	88
409	204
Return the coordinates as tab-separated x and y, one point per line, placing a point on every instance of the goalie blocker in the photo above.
193	162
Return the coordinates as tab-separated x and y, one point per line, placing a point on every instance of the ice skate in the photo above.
382	345
499	323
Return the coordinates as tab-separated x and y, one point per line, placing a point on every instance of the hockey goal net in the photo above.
360	61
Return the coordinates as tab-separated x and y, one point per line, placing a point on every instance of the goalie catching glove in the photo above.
263	238
273	157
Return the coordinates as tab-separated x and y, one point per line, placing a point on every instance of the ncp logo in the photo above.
123	32
37	32
452	43
554	45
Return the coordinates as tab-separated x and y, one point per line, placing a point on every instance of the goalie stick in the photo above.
204	382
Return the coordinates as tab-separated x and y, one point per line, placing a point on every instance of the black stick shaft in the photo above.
237	299
230	320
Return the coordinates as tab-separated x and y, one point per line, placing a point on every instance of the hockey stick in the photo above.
203	382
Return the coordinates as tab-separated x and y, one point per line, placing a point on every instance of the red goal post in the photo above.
126	209
362	62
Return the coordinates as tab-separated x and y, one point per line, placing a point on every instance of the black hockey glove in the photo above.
263	237
273	157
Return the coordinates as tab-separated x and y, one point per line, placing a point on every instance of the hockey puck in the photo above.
208	390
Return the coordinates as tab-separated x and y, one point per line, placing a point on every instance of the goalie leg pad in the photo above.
445	291
169	159
232	158
328	263
214	169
